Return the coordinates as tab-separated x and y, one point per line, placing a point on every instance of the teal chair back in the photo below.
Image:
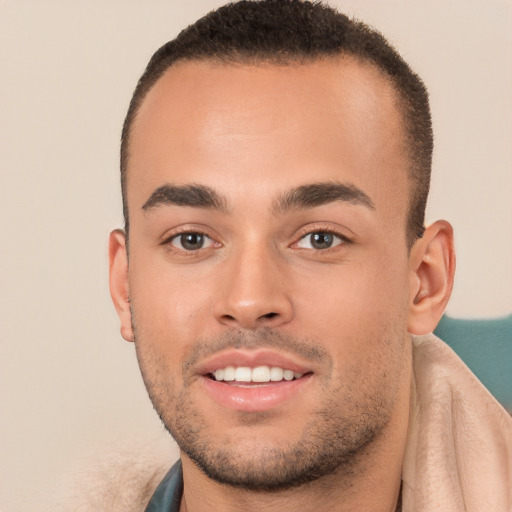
486	347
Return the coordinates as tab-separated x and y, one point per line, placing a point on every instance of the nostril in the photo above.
252	317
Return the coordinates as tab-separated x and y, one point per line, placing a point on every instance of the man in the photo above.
275	169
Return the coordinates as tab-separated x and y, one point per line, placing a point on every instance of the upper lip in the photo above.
252	359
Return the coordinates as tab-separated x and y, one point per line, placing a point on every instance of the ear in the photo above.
432	268
119	286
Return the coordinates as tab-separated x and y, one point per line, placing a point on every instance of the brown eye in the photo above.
191	241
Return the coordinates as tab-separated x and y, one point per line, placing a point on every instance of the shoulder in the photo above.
121	478
456	429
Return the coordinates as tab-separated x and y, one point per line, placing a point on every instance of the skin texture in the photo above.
344	312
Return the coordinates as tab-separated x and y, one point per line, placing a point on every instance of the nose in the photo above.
253	291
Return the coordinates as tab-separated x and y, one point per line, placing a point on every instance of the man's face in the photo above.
277	243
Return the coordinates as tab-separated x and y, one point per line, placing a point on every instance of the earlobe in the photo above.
432	268
118	280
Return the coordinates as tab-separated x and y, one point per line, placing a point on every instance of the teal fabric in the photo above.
167	496
486	347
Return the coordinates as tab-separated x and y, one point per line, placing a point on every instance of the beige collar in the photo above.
459	448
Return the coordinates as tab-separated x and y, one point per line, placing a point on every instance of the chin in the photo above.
259	456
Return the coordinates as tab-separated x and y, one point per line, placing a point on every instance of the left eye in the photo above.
191	241
319	240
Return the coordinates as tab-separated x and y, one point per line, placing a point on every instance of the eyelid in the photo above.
183	230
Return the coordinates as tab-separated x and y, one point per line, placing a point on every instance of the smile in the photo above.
259	374
254	380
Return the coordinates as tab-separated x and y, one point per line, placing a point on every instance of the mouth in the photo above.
248	381
247	376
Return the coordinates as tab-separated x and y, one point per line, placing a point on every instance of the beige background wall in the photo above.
69	386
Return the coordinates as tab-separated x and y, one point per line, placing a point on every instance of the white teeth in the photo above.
257	374
243	374
288	375
276	374
261	374
229	373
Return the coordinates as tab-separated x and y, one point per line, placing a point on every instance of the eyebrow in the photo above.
319	194
196	196
302	197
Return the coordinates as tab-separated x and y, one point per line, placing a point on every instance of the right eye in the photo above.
191	241
321	240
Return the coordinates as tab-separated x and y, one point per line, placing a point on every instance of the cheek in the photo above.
169	307
357	307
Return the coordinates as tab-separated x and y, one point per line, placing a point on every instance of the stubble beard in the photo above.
336	439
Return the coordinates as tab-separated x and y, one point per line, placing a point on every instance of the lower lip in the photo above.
261	397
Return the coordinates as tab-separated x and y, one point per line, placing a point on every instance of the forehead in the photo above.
216	123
